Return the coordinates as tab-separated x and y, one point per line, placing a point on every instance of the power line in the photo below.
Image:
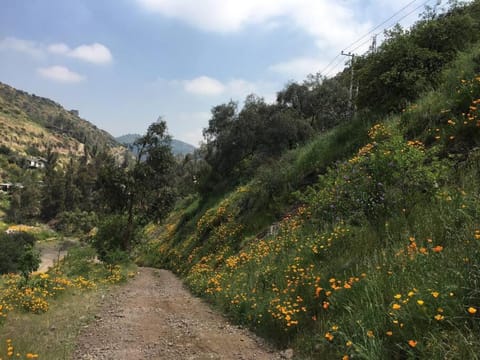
379	25
330	63
403	17
334	67
331	66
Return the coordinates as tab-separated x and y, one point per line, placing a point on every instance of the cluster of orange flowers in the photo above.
11	353
413	249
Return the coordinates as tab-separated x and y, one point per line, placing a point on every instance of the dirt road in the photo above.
155	317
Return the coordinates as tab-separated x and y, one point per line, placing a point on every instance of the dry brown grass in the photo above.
18	134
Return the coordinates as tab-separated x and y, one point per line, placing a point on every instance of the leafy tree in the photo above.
53	195
111	185
237	143
151	188
321	101
110	237
189	171
25	201
145	190
72	193
221	121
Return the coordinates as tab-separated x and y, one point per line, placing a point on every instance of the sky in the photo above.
125	63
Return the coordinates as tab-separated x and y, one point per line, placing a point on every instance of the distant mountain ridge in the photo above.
178	147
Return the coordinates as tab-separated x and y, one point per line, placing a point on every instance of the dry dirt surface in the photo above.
155	317
50	253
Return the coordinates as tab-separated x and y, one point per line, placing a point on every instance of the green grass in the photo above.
50	331
375	248
51	335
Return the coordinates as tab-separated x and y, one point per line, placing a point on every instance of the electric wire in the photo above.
403	17
379	25
333	66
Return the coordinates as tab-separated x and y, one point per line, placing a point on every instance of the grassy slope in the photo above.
378	259
16	103
32	123
19	133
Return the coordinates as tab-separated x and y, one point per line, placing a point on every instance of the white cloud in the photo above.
24	46
234	88
204	85
217	15
95	53
240	87
193	137
58	48
188	126
60	74
299	68
330	22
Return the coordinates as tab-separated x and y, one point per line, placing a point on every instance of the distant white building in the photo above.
36	163
8	187
5	187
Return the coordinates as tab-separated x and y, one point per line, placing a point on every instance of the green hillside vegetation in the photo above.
346	237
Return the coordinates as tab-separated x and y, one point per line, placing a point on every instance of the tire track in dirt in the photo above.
155	317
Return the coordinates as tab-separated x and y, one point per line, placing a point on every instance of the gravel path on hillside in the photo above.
155	317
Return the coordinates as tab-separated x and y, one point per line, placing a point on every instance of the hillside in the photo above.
333	223
30	124
178	147
362	243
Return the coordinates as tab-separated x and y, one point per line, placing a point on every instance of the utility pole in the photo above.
350	97
373	47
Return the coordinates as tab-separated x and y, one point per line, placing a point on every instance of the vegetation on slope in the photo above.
17	104
341	231
376	258
32	127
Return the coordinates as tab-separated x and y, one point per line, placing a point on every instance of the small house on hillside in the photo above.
36	163
6	187
9	187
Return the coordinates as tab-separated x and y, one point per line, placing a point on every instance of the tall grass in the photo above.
374	252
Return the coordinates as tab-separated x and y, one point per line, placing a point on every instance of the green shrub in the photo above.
5	150
17	253
386	175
